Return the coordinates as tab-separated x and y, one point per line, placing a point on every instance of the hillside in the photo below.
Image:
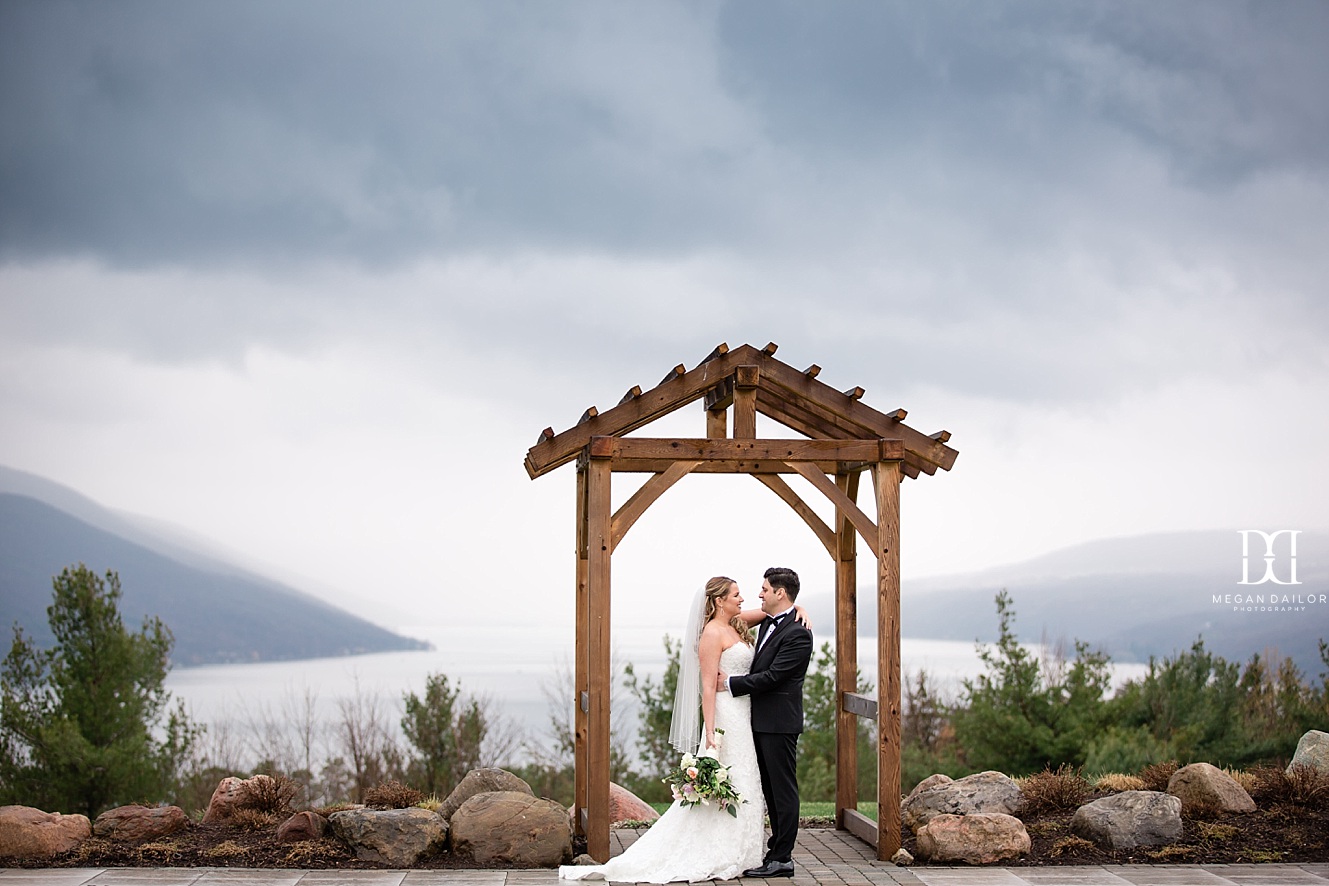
216	614
1136	597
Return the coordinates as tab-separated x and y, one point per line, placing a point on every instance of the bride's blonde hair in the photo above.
716	590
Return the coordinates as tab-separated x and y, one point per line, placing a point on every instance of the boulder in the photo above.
227	796
1130	819
481	781
302	826
983	792
512	829
627	806
394	837
1205	785
927	784
30	833
978	838
138	824
1312	751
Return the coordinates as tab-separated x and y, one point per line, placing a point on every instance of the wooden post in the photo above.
746	379
581	680
599	542
886	476
717	423
846	654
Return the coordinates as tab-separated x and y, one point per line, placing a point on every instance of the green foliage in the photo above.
1022	715
655	712
84	725
1199	707
817	745
447	732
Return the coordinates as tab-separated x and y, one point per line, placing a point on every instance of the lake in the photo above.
516	669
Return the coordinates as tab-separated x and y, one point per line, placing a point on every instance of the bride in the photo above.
697	843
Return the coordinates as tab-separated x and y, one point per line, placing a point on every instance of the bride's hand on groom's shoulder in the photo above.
801	615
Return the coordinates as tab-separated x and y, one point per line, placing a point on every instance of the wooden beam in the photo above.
626	417
770	349
886	484
590	413
600	672
860	705
728	466
722	395
861	522
855	393
707	449
861	827
941	436
898	415
643	498
546	434
790	497
746	379
845	555
812	371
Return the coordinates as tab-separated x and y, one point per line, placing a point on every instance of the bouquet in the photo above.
701	781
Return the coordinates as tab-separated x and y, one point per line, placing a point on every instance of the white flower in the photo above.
721	776
719	739
689	760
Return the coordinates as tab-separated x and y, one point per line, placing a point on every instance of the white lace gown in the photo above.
695	843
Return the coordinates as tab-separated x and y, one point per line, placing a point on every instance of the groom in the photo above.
775	682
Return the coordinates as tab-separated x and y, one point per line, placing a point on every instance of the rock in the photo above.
1130	819
1205	785
30	833
302	826
927	784
978	838
627	806
227	796
902	858
394	837
138	824
983	792
584	860
512	829
1313	751
481	781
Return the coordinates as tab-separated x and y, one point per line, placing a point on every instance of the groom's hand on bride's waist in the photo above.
722	682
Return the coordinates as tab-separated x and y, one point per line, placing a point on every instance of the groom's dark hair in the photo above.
780	577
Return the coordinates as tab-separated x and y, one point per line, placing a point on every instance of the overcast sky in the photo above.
308	279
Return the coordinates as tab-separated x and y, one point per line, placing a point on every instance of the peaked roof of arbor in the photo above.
792	397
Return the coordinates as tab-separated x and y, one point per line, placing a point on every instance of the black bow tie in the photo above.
771	620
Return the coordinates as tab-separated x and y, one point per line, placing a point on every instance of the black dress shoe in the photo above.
772	869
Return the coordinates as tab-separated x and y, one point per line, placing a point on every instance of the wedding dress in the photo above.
695	843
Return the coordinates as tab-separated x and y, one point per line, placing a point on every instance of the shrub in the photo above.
253	819
273	794
1299	785
1156	775
1049	791
392	795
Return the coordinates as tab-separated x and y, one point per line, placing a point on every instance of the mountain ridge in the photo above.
218	613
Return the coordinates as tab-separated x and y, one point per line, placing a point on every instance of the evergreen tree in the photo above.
448	730
655	714
1021	716
81	723
817	744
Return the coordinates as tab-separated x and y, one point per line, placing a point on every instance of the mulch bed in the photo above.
1280	833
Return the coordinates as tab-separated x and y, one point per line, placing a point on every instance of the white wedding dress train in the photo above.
695	843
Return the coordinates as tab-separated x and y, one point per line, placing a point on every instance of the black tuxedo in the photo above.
775	683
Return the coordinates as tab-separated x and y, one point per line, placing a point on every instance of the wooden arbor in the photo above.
845	439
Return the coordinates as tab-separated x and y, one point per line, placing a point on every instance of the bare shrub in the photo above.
268	793
392	795
1156	775
1049	791
1299	785
254	819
